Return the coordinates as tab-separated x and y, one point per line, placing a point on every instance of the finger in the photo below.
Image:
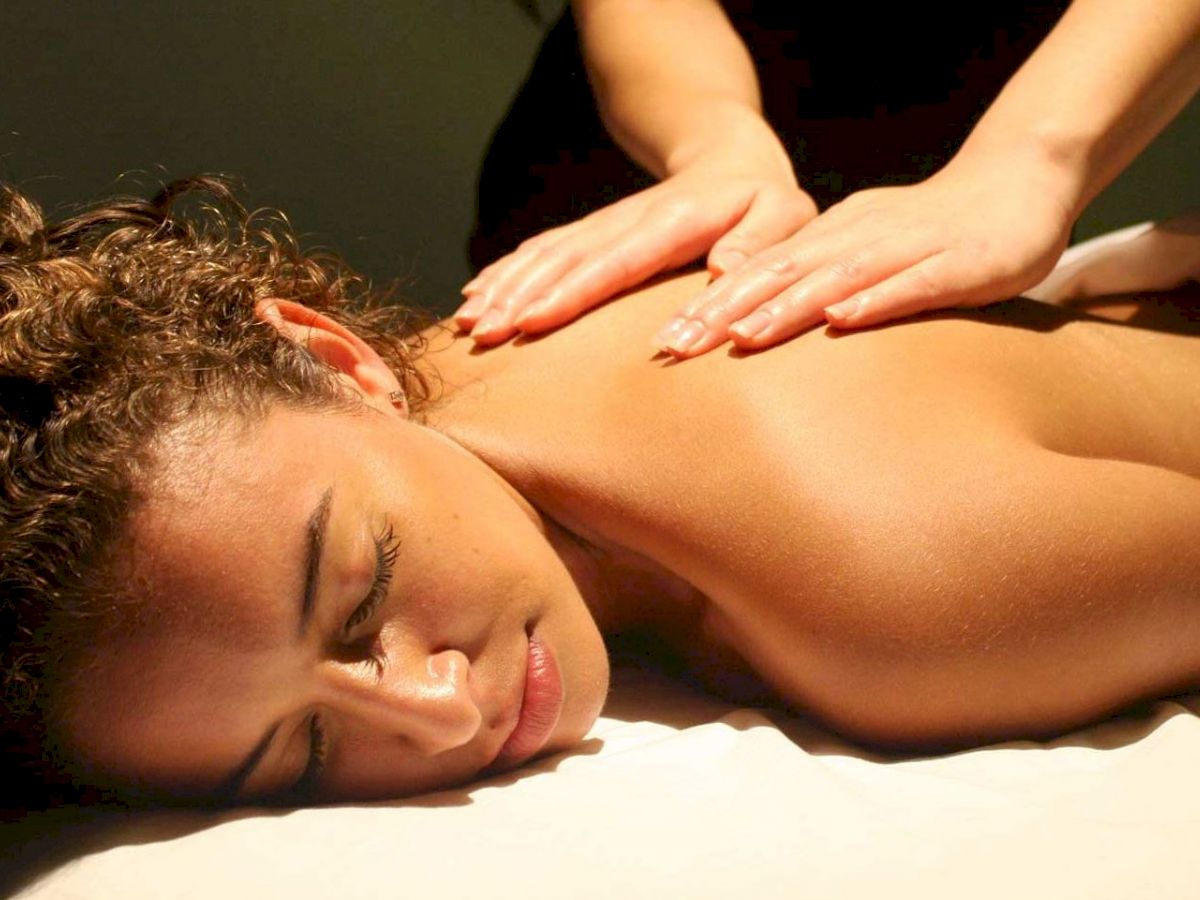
823	238
480	291
539	241
473	286
522	282
488	274
784	317
474	303
545	260
635	256
468	314
934	283
512	297
773	216
704	322
478	300
847	274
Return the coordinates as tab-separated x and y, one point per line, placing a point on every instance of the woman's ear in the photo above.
336	346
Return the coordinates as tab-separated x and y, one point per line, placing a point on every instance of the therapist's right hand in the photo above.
730	202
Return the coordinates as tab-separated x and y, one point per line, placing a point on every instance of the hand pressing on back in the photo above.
963	238
730	202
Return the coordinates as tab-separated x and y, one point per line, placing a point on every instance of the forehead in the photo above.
221	535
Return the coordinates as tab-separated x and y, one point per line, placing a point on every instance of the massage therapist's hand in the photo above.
730	201
969	235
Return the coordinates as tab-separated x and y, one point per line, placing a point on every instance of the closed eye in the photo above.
318	749
387	546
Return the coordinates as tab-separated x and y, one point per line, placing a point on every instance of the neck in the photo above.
625	591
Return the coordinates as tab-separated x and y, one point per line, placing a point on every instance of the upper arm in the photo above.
640	44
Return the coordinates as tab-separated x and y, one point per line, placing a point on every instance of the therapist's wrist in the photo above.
1047	162
735	136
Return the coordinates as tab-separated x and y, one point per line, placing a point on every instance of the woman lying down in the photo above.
261	541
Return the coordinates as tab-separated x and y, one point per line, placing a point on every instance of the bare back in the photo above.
946	530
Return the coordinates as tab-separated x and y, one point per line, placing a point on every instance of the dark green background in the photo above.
365	122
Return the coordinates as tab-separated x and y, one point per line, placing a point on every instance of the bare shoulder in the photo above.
982	527
1017	597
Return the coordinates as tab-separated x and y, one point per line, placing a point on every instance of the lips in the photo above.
541	706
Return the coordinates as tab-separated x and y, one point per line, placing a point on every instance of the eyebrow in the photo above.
314	543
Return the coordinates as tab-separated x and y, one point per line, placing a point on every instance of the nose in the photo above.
421	698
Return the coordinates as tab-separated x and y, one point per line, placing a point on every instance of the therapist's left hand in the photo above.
729	199
965	237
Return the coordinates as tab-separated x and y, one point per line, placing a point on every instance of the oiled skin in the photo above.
952	530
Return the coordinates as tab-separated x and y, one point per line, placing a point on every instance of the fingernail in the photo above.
470	309
843	310
530	312
489	322
751	325
668	332
687	338
728	260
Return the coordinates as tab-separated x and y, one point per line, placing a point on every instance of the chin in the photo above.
593	696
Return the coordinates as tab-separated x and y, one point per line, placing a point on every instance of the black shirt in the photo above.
862	94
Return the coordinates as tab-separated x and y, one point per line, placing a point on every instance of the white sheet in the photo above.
679	795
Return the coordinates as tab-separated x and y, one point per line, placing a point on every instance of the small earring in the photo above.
398	400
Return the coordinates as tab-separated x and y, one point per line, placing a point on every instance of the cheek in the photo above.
476	556
370	766
461	602
166	708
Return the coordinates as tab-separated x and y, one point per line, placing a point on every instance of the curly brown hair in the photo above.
116	324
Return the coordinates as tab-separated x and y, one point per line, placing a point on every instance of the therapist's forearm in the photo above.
1107	79
671	78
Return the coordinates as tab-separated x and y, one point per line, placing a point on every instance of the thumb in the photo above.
773	216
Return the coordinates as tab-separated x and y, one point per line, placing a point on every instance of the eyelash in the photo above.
316	757
387	545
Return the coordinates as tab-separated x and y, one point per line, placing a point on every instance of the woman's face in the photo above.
351	587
